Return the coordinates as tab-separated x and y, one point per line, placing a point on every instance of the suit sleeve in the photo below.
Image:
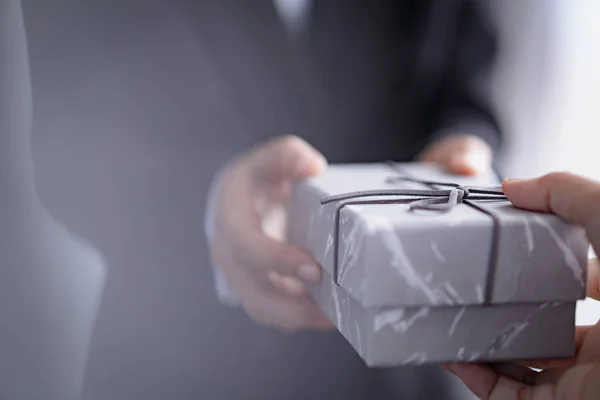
461	102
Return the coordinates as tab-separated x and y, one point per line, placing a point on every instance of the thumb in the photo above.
470	161
574	198
460	154
286	158
581	382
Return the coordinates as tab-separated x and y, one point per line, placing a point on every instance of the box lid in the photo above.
389	255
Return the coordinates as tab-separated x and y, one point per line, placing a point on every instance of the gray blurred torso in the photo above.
136	106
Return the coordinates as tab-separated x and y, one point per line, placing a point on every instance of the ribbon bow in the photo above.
433	199
441	200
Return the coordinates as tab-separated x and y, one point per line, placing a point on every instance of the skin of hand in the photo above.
577	200
460	154
248	245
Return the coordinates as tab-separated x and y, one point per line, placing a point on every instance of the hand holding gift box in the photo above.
576	200
415	272
245	229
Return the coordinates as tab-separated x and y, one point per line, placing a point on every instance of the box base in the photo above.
386	337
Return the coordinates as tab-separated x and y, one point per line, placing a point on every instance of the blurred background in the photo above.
103	169
547	91
546	87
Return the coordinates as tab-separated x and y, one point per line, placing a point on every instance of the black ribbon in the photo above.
440	200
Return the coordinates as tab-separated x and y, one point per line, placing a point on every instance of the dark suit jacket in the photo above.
377	79
137	104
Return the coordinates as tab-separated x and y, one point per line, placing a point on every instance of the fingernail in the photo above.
303	166
309	273
310	164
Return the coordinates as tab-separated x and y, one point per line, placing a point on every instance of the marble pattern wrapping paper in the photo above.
411	283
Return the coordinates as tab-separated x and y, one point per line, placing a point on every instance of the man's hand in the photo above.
577	200
268	275
460	154
248	245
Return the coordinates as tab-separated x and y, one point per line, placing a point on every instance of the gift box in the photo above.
425	267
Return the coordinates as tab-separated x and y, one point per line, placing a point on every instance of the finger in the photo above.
266	305
286	313
590	348
507	389
574	198
264	173
589	352
239	223
286	284
542	392
515	372
566	383
593	281
486	384
479	378
242	280
255	250
237	210
551	376
580	335
548	364
286	158
241	227
581	382
591	384
472	159
460	154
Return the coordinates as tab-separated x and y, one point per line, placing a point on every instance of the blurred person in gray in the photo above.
50	280
139	105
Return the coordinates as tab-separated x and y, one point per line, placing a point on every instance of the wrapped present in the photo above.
422	267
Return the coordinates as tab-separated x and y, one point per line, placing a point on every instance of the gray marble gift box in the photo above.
420	286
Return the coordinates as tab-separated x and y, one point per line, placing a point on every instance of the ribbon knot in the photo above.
455	196
440	200
420	199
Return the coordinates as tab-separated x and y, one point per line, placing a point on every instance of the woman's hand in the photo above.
577	200
460	154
